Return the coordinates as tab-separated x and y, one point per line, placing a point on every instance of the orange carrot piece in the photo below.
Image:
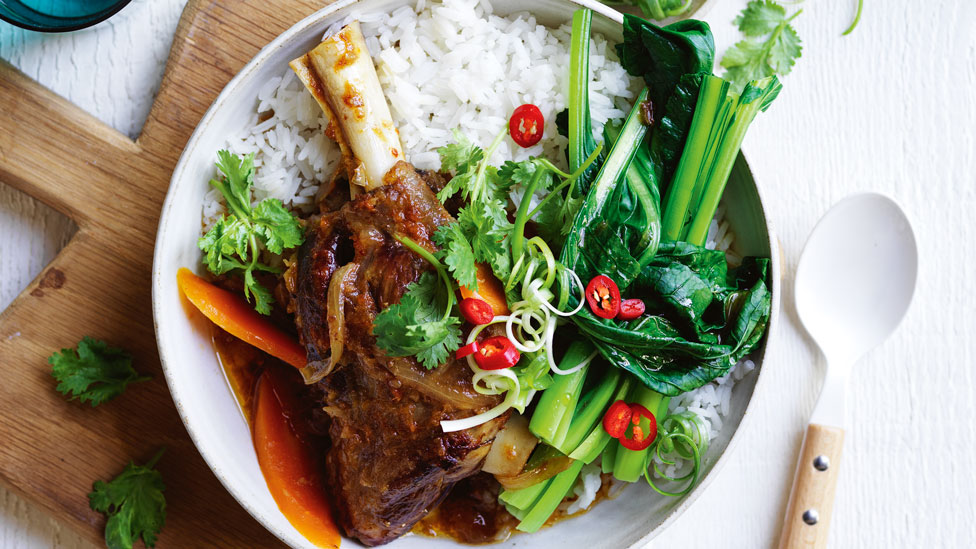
238	318
288	465
490	289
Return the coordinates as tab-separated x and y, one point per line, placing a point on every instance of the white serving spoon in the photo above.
853	285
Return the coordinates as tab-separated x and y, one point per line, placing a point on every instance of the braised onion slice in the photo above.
445	386
511	448
545	463
335	315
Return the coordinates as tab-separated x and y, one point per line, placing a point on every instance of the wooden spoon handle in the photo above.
812	498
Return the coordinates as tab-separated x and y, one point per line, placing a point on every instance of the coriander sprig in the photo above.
235	241
771	45
415	326
483	232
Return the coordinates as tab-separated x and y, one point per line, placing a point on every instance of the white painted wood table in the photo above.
890	108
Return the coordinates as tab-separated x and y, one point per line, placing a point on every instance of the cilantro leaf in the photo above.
235	241
238	179
462	158
487	227
227	238
276	225
760	17
771	46
516	173
786	49
473	177
416	327
457	255
133	503
262	296
94	373
445	336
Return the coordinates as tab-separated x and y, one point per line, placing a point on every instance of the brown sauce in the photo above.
470	513
242	364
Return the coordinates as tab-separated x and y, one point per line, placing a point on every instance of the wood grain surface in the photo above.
99	284
807	522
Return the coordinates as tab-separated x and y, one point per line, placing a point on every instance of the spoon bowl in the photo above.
856	276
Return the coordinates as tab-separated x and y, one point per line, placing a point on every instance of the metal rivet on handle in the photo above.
810	516
821	463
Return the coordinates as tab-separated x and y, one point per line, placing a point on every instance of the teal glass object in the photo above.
58	15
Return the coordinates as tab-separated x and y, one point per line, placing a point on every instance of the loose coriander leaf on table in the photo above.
783	55
760	18
771	46
95	372
133	503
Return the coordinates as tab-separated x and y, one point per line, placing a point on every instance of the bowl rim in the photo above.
230	90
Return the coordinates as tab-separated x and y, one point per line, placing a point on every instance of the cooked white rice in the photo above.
444	65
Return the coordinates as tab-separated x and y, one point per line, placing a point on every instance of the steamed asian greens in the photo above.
640	232
705	319
236	241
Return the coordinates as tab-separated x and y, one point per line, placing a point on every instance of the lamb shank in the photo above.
390	462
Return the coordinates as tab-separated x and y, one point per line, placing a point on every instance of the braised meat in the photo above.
390	462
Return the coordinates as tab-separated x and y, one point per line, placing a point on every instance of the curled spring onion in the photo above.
684	435
489	382
530	326
536	315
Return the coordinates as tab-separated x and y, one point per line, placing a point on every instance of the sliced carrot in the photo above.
238	318
288	464
490	289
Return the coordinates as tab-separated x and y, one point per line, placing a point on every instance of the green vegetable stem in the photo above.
589	412
696	329
554	411
599	440
551	497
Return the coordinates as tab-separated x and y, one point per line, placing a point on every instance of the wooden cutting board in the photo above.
52	449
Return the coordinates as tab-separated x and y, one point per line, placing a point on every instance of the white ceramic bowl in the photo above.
200	390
